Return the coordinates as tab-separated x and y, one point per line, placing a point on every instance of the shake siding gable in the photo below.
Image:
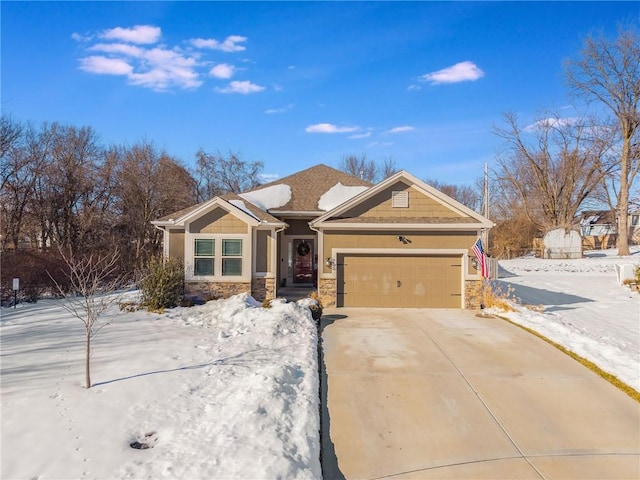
218	221
420	205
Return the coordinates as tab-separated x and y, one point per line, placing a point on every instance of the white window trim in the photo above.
217	276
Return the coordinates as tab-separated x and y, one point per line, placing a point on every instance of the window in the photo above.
635	220
204	253
231	257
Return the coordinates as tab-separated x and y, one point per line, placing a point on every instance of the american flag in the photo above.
478	251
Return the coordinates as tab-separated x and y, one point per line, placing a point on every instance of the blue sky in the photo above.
294	84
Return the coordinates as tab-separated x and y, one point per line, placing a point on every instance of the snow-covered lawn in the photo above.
223	390
229	389
583	307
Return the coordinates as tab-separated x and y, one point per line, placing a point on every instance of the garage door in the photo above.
425	281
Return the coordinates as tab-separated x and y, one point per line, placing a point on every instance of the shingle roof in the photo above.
306	186
309	185
255	211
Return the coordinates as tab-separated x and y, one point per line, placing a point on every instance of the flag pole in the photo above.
486	231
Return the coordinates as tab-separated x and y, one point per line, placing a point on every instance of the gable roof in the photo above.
230	201
308	187
462	216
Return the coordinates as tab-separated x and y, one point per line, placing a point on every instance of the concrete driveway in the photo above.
422	394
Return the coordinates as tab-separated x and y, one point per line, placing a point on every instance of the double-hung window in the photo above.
204	256
231	257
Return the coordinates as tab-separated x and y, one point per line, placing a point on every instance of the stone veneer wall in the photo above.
327	292
263	288
472	294
215	290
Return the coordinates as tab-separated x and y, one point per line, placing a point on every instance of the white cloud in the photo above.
272	111
141	34
105	66
129	52
269	177
244	87
230	44
329	128
379	144
460	72
412	88
119	48
157	68
222	70
551	122
404	128
78	37
360	135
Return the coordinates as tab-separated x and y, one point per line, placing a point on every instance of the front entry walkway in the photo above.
294	293
423	394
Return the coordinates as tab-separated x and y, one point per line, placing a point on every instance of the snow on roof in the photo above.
337	195
242	206
589	219
270	197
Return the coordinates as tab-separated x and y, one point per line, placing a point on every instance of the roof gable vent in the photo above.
400	199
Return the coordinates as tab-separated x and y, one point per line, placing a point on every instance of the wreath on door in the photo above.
303	248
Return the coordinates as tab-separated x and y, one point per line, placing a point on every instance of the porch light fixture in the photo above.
330	262
402	239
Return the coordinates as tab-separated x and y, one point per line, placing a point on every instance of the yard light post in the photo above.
16	287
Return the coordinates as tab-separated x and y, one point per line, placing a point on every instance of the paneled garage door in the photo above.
416	281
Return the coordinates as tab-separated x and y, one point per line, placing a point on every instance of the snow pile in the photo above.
581	307
223	390
337	195
242	206
267	198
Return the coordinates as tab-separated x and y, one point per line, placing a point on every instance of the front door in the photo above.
303	261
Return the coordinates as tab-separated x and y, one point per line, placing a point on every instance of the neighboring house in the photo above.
400	243
599	229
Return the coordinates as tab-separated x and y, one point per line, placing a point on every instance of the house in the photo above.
599	228
400	243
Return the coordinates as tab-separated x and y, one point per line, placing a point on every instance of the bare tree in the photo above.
551	167
465	194
10	136
366	169
608	73
218	174
92	281
24	161
387	168
360	166
149	184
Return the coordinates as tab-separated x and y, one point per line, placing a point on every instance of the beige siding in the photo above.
263	250
420	205
176	244
218	221
423	240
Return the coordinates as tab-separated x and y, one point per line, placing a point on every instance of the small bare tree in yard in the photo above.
92	280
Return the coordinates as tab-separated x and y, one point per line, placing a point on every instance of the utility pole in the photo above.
486	204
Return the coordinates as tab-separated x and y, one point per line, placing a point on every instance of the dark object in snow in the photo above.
148	441
139	446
